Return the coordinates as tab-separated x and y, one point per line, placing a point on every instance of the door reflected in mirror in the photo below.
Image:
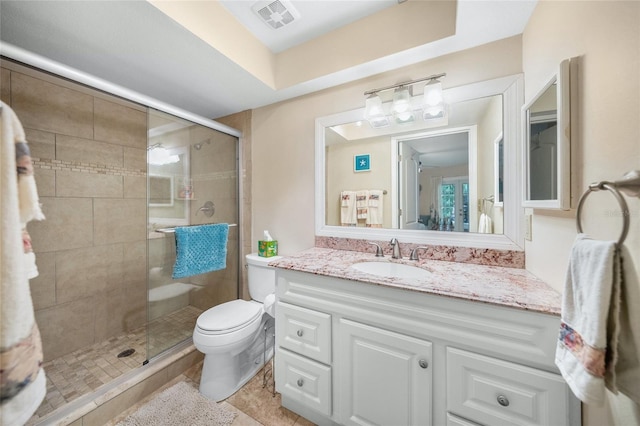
440	178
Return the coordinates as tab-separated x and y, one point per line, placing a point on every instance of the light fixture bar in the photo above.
406	83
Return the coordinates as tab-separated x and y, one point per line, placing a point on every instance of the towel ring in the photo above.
623	205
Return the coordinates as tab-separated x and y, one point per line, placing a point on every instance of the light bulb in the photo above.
373	111
401	107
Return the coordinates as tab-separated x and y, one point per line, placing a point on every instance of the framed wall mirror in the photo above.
547	144
160	191
437	179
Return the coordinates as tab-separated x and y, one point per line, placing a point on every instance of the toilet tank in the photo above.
260	277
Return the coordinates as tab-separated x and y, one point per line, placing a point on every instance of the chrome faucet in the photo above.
379	252
395	253
414	253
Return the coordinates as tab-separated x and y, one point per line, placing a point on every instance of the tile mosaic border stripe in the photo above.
94	168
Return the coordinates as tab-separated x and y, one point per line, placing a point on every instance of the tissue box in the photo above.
267	248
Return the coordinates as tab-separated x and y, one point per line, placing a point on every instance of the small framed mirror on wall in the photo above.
547	143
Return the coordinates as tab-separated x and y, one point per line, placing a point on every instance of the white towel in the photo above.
348	208
362	206
485	224
625	374
598	340
23	384
374	208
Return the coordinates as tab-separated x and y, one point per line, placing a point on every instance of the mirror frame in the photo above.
563	165
498	145
512	89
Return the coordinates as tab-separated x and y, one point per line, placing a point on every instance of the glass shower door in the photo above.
192	180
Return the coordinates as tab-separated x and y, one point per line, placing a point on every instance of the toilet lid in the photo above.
229	316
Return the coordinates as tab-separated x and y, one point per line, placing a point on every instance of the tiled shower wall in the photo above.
90	166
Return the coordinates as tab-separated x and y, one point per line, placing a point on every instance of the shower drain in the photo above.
126	353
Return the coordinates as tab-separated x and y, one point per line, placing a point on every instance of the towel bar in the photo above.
173	230
629	184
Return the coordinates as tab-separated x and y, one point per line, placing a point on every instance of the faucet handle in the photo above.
379	252
414	253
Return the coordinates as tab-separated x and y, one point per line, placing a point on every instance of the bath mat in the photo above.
181	404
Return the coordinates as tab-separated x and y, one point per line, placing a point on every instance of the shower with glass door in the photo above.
114	175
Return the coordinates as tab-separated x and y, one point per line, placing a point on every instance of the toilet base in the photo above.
224	374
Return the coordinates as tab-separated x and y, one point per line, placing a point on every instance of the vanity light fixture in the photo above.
402	107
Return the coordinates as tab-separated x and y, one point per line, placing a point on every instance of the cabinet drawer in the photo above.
457	421
495	392
303	380
304	331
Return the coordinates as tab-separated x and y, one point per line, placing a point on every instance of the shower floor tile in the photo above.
83	371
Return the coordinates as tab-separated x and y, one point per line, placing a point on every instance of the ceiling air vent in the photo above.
276	14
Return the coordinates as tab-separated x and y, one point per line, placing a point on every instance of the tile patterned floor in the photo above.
83	371
254	403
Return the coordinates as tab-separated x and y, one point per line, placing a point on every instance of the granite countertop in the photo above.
496	285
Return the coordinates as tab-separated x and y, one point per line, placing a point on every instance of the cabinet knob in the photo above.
299	333
300	382
503	400
423	363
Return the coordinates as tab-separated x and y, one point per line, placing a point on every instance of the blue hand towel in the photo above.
200	249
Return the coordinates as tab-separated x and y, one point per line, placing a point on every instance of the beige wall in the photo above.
89	155
606	36
283	137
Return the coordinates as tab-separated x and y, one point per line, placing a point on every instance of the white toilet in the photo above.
232	335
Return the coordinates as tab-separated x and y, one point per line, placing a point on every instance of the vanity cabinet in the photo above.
353	353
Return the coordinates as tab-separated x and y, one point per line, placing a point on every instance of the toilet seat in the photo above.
228	317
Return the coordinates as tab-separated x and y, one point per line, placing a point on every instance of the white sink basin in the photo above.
387	269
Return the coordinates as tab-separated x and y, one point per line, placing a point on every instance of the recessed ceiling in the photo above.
316	18
134	45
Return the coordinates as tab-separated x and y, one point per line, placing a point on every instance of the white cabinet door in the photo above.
385	377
